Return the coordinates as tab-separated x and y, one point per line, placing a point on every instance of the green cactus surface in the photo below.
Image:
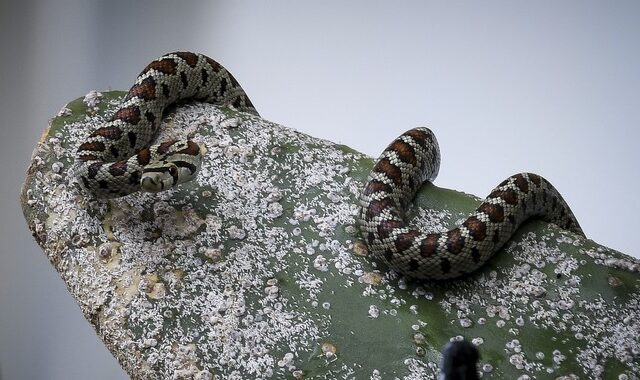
256	268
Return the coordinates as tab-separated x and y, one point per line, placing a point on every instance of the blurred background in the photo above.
547	87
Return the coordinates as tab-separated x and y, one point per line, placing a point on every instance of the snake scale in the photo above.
118	159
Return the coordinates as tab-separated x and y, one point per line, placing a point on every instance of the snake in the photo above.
119	158
403	167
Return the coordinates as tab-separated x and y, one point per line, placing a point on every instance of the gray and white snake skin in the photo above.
117	159
397	175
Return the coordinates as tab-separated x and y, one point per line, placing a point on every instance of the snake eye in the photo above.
173	171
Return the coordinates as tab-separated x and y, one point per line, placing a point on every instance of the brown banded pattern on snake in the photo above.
400	171
118	159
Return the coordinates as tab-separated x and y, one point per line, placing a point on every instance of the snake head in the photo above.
161	176
178	166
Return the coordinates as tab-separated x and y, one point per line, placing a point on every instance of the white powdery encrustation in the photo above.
179	276
227	276
518	298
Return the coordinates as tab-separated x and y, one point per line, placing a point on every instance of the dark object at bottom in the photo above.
459	361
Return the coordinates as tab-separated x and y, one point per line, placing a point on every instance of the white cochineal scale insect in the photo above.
118	159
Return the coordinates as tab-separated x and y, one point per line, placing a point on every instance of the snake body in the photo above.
398	173
118	159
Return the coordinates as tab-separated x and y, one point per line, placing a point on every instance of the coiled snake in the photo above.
117	159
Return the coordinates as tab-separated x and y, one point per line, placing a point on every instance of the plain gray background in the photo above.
548	87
